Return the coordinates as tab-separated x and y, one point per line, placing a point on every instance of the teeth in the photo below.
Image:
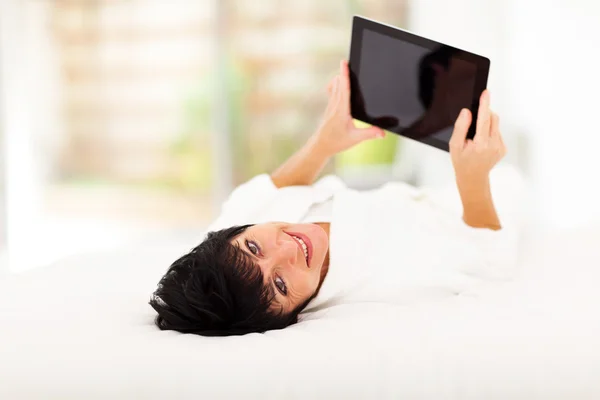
304	247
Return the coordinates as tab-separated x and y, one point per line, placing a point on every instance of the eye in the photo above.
281	285
254	249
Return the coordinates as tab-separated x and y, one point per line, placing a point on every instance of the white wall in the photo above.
556	86
19	98
544	85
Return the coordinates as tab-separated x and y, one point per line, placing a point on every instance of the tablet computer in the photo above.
410	85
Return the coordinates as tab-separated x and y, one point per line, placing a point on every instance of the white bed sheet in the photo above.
82	329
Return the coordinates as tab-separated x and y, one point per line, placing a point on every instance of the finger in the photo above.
345	83
495	126
482	133
503	146
336	96
461	128
332	81
497	134
332	102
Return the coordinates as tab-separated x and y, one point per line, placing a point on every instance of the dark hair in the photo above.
440	56
217	290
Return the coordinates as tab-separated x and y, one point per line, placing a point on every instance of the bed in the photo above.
82	329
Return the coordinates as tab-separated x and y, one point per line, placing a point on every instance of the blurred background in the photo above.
128	121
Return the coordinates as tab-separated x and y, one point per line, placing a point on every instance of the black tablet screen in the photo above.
411	90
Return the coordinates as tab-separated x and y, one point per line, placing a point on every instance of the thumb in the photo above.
461	127
372	132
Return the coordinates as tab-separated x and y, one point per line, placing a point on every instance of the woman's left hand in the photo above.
337	131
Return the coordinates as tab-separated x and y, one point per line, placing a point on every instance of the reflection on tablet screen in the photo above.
411	90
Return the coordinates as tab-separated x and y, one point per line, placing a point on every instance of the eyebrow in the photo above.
272	291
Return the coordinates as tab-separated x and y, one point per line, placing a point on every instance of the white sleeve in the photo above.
482	252
245	202
499	250
489	254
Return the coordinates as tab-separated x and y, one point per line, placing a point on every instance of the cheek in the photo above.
304	285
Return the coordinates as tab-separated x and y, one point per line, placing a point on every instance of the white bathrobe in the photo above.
394	244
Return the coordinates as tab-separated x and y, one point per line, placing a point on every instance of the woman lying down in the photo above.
285	245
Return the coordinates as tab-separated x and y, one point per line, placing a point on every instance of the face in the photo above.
278	249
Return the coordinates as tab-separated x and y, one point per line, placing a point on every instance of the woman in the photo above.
254	272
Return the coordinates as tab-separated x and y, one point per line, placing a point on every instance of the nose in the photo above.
286	254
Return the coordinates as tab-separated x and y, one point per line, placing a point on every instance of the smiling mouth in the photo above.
303	246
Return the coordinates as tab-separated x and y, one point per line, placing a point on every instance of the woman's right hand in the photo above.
474	159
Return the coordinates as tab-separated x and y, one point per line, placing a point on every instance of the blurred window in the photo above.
122	110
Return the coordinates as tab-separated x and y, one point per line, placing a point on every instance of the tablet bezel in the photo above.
359	24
